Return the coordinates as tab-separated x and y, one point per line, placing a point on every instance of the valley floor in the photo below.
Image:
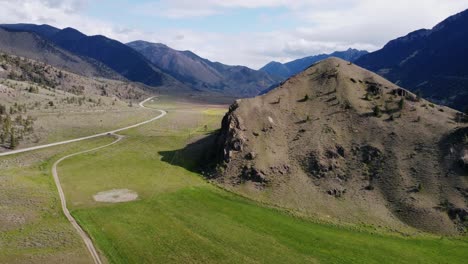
178	216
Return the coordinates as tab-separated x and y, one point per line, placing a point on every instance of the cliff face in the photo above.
340	143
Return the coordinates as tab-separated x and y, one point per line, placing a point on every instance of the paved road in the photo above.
84	236
163	113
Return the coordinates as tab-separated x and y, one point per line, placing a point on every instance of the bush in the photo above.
419	187
401	104
377	111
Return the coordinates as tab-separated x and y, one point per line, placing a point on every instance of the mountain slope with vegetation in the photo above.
430	62
111	53
40	103
341	143
32	46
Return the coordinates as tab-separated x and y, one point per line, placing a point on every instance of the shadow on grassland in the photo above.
198	156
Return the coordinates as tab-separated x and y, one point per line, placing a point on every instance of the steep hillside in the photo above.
291	68
34	47
429	61
202	73
115	55
340	143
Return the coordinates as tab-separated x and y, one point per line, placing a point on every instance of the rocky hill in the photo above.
202	74
429	61
340	143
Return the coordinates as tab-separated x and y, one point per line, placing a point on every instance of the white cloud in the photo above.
323	25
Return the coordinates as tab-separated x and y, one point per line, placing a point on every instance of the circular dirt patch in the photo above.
115	196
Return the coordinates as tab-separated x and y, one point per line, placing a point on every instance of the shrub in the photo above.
401	104
419	187
377	111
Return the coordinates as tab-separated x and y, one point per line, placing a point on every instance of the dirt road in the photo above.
84	236
141	104
86	239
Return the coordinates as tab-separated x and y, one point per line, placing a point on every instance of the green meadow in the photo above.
179	217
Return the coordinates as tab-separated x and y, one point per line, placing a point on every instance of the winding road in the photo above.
141	104
86	239
84	236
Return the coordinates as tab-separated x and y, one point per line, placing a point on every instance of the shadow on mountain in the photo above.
198	156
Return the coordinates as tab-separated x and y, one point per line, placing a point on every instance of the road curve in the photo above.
163	113
86	239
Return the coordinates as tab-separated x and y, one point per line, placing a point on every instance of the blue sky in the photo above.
240	32
235	20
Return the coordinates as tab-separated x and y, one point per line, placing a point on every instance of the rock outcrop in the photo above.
339	142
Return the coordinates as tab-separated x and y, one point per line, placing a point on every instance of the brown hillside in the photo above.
338	142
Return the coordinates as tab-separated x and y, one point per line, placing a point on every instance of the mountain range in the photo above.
203	74
32	46
149	63
431	62
286	70
115	55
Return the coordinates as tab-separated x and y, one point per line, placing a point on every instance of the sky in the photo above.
240	32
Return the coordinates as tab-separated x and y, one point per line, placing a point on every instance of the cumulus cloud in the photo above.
318	26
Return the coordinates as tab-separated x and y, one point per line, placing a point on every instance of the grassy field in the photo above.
32	227
180	218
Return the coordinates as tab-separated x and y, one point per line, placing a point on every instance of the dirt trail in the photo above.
163	113
86	239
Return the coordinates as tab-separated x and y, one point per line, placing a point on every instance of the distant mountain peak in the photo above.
203	74
70	34
286	70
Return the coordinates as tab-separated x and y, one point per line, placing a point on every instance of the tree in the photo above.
13	139
2	109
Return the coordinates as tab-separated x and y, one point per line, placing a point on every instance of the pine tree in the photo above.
13	139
